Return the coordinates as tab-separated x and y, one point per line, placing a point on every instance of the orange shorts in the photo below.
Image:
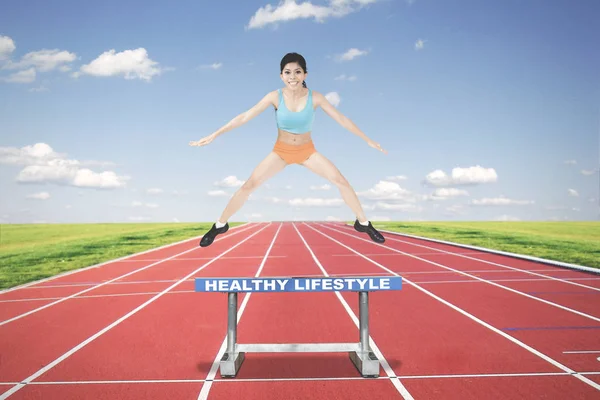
294	154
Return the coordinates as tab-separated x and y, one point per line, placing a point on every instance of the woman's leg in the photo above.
325	168
268	167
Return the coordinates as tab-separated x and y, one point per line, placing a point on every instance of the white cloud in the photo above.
343	77
273	200
420	44
217	193
7	46
351	54
462	176
396	178
500	201
446	193
44	60
39	153
333	98
140	204
44	165
131	64
154	191
255	217
230	181
570	162
385	190
573	193
26	76
380	205
70	175
290	10
315	202
322	187
588	172
333	219
39	196
214	66
38	89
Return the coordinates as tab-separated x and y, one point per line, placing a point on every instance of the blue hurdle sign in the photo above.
299	284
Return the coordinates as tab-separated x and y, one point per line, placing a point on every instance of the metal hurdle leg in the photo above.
364	359
232	359
360	354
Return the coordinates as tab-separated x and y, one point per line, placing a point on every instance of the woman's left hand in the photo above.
376	146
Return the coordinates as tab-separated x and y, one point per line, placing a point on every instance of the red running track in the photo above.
466	325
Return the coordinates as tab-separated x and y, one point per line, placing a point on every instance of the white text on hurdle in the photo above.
294	285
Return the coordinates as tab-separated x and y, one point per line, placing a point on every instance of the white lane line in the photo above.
104	283
497	280
397	255
215	365
325	378
582	352
474	277
202	258
28	284
460	310
51	365
386	366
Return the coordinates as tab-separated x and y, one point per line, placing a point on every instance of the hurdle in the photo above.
361	354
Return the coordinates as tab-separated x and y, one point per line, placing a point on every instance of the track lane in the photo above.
526	267
514	357
112	273
452	264
68	325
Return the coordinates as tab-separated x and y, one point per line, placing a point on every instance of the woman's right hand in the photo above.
204	141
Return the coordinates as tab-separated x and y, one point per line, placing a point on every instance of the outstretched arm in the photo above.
239	120
341	119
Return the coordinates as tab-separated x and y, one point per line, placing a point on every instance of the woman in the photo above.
295	106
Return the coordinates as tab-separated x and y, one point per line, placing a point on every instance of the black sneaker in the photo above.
373	233
209	236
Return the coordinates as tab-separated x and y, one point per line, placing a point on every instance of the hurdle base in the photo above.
366	363
230	364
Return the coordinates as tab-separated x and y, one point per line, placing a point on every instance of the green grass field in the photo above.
571	242
31	252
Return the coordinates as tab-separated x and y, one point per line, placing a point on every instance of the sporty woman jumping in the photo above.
295	106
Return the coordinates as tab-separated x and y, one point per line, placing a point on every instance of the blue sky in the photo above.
489	110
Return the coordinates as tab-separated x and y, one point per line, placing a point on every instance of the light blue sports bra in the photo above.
295	122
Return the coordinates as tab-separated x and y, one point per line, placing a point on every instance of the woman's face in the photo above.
293	75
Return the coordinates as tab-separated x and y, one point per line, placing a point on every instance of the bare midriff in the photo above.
292	138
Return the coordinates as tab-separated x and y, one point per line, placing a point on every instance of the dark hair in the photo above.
291	58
